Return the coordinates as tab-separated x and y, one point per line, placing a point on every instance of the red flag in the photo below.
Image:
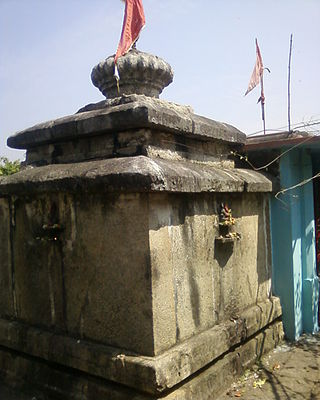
257	73
134	21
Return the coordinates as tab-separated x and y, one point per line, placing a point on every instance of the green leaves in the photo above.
9	167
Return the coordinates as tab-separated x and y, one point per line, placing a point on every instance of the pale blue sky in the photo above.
48	48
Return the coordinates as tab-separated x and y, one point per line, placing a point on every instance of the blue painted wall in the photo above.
293	246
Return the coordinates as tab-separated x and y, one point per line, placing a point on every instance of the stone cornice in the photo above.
142	112
134	174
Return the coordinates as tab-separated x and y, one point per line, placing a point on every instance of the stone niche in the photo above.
115	280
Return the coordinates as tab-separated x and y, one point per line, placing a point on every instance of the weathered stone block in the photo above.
203	282
82	274
75	281
107	271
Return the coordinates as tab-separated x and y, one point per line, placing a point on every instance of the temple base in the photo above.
51	381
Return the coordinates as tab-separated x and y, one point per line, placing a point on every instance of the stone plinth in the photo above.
113	282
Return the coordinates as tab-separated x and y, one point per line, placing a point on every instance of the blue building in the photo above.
294	159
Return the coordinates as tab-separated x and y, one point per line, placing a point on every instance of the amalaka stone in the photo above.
140	73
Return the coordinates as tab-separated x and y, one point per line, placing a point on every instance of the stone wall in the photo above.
203	281
138	271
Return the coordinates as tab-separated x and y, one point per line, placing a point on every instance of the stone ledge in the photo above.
213	380
134	174
41	378
139	372
141	113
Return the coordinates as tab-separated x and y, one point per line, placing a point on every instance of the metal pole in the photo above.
262	105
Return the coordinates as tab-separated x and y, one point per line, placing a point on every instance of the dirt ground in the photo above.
292	371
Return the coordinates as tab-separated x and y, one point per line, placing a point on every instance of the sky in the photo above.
48	49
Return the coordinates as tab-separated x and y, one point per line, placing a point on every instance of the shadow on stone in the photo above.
223	252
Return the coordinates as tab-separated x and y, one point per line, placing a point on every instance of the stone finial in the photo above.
140	73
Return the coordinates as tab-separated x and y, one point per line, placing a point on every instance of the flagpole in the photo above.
262	104
256	78
289	82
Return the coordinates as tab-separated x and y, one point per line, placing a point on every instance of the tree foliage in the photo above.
9	167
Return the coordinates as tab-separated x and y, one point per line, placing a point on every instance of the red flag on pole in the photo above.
257	72
134	21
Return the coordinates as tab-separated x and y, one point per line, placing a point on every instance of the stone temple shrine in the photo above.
135	257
